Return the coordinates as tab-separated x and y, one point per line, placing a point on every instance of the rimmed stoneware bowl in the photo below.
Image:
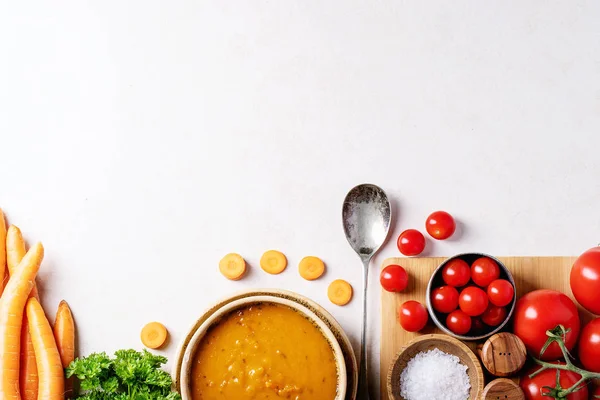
189	345
436	280
447	345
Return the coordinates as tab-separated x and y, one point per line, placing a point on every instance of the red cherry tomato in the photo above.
534	387
542	310
589	346
456	272
477	326
585	280
444	299
440	225
473	301
494	315
500	292
458	322
596	393
393	278
411	242
484	270
413	316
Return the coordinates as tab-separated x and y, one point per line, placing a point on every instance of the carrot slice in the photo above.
154	335
15	251
232	266
64	334
273	262
12	307
2	250
339	292
311	268
51	373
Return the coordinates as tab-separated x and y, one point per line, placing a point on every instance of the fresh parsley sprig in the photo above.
130	375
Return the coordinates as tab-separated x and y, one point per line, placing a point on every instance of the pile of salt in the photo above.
435	375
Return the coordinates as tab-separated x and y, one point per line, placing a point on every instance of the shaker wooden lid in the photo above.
502	389
503	354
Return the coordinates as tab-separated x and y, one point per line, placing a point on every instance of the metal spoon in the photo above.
366	216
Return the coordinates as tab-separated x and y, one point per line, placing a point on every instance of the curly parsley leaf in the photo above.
130	375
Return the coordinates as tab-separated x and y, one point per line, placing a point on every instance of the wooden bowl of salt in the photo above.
435	367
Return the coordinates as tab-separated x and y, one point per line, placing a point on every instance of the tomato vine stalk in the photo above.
557	335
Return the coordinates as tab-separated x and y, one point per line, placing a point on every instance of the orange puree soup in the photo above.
264	351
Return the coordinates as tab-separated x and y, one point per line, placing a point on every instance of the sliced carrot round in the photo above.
154	335
273	262
311	268
232	266
339	292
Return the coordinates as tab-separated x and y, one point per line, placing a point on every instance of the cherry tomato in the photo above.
534	387
413	316
477	326
458	322
589	346
494	315
596	393
500	292
440	225
393	278
444	299
456	272
542	310
484	270
473	301
585	280
411	242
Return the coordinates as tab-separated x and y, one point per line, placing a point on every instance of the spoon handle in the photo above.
363	377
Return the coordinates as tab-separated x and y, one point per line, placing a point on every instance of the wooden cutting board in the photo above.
530	273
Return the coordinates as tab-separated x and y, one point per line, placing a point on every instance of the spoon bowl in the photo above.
366	216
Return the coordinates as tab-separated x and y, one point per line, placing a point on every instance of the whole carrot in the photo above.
15	248
15	251
28	382
50	369
2	250
64	334
11	317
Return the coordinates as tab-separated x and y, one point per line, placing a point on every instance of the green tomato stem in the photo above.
558	392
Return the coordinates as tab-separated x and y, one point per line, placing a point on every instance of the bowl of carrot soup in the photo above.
263	348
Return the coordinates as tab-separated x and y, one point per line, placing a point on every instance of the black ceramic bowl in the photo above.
439	319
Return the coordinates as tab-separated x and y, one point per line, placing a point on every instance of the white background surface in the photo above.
143	140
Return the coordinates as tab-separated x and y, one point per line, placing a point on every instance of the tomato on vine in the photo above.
589	346
540	311
585	280
535	388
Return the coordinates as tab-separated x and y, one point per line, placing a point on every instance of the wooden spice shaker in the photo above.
502	389
503	354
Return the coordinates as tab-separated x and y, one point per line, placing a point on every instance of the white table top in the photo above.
143	140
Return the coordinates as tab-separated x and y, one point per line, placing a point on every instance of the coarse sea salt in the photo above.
435	375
